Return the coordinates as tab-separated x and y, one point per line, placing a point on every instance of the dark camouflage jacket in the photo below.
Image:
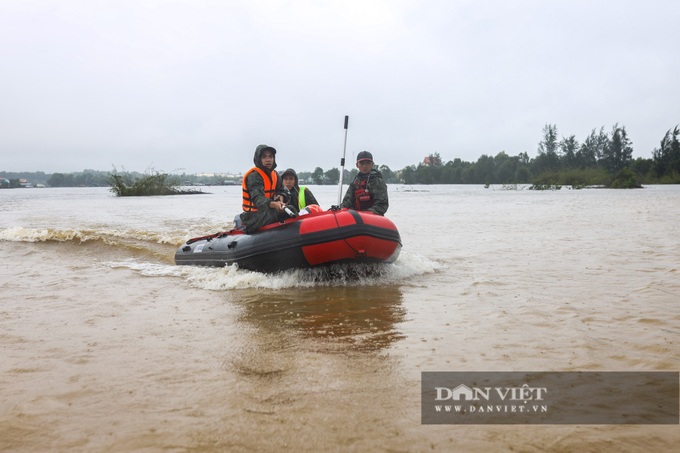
376	188
265	215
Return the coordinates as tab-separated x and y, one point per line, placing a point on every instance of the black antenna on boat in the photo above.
342	162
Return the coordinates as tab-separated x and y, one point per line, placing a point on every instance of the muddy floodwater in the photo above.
106	345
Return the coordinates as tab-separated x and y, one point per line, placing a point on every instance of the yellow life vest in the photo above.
302	201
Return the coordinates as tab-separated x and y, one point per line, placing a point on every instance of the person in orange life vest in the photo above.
368	191
301	196
263	202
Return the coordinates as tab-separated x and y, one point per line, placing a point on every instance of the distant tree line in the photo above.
599	160
332	176
86	178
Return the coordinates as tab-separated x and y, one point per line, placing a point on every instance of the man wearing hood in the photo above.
261	187
301	196
368	191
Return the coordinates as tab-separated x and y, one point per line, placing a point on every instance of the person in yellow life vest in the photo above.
301	196
263	202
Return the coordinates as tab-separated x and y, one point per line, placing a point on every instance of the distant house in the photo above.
432	159
233	180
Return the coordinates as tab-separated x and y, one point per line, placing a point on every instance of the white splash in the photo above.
231	277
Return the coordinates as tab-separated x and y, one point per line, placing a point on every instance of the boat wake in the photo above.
231	277
149	253
103	243
110	236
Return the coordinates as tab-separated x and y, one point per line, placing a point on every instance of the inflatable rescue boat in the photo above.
316	239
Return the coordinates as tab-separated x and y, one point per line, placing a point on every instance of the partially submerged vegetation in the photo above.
625	179
548	186
125	185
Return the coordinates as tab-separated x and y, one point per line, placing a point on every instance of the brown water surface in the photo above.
107	346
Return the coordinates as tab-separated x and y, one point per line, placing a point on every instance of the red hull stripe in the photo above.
342	219
319	223
349	249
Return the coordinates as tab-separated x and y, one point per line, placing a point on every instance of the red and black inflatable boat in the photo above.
316	239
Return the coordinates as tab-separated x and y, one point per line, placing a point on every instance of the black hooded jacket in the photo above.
295	192
255	187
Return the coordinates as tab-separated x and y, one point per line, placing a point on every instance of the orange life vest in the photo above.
270	182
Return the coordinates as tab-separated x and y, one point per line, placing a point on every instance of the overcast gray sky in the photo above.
196	85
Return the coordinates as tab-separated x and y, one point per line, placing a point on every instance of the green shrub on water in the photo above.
582	178
625	179
123	185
